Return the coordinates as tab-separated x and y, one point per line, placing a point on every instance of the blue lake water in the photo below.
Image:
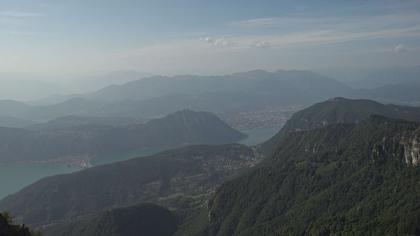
258	135
14	177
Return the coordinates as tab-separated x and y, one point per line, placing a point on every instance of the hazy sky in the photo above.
202	36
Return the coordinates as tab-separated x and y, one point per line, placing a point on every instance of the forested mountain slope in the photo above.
339	111
180	179
342	179
143	219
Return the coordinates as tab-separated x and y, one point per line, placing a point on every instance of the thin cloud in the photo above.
322	22
323	30
312	31
218	41
261	44
309	38
278	22
400	48
14	22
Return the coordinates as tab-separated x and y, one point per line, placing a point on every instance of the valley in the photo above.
209	118
330	138
18	173
15	176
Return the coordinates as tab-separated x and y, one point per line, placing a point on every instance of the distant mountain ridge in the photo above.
12	108
13	122
244	82
160	95
77	121
389	76
246	91
402	92
91	141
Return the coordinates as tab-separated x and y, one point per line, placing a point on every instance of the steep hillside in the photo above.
344	179
179	179
144	219
88	142
339	110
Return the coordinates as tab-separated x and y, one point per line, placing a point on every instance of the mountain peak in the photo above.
338	99
187	111
191	123
252	72
339	110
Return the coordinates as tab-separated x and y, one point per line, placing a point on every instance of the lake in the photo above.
258	135
14	177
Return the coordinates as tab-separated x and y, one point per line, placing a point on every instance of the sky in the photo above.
61	38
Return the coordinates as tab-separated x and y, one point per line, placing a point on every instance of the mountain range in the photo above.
339	166
77	121
304	83
57	140
388	76
13	122
159	95
247	91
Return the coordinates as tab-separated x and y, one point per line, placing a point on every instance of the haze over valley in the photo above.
209	118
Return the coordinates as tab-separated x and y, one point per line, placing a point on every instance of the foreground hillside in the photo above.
345	179
180	179
338	111
144	219
86	142
7	228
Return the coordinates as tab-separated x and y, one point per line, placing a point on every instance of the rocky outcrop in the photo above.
404	147
412	149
